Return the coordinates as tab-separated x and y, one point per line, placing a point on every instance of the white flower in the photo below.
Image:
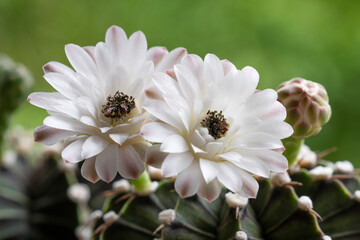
98	107
204	147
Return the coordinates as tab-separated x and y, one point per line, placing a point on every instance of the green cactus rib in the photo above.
34	204
273	215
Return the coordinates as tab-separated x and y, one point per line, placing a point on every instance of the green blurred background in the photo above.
314	39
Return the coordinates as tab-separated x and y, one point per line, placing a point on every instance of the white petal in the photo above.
59	68
188	83
171	59
137	47
260	102
154	157
197	139
119	138
49	136
64	85
130	164
275	161
80	60
209	169
196	65
237	180
72	153
257	140
249	81
116	39
213	148
209	191
156	131
174	144
196	149
93	146
213	70
175	163
188	181
104	60
156	54
277	112
66	124
106	163
228	66
88	121
88	170
248	162
91	51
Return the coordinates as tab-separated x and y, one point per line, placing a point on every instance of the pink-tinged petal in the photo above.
156	54
209	191
64	85
130	164
174	144
259	102
171	73
72	153
54	101
91	51
209	169
49	136
156	131
277	112
188	181
80	60
171	59
88	170
196	65
154	157
228	66
106	163
175	163
213	70
153	93
68	124
138	48
93	146
119	138
237	180
249	78
116	39
248	162
188	83
56	67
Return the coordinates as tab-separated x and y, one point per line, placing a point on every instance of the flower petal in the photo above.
88	170
209	169
130	164
65	123
81	61
209	191
106	163
156	131
156	54
93	146
154	157
72	153
174	144
187	183
49	136
119	138
175	163
171	59
116	39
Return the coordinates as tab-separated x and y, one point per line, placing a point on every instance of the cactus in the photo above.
15	84
276	213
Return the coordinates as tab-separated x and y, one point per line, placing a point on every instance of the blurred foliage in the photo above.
316	40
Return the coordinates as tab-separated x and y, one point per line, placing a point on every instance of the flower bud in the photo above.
167	216
305	203
121	186
241	235
307	106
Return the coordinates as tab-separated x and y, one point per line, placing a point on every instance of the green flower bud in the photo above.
307	106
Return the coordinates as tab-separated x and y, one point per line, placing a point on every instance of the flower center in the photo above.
216	124
118	107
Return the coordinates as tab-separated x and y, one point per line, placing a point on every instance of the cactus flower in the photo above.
97	108
215	127
307	106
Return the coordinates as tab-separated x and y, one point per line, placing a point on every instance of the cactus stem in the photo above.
292	146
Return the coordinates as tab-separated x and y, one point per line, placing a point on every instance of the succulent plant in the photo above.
279	212
15	84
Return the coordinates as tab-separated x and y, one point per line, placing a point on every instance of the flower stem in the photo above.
142	182
292	146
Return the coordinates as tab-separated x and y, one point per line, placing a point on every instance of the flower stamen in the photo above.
216	123
118	106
